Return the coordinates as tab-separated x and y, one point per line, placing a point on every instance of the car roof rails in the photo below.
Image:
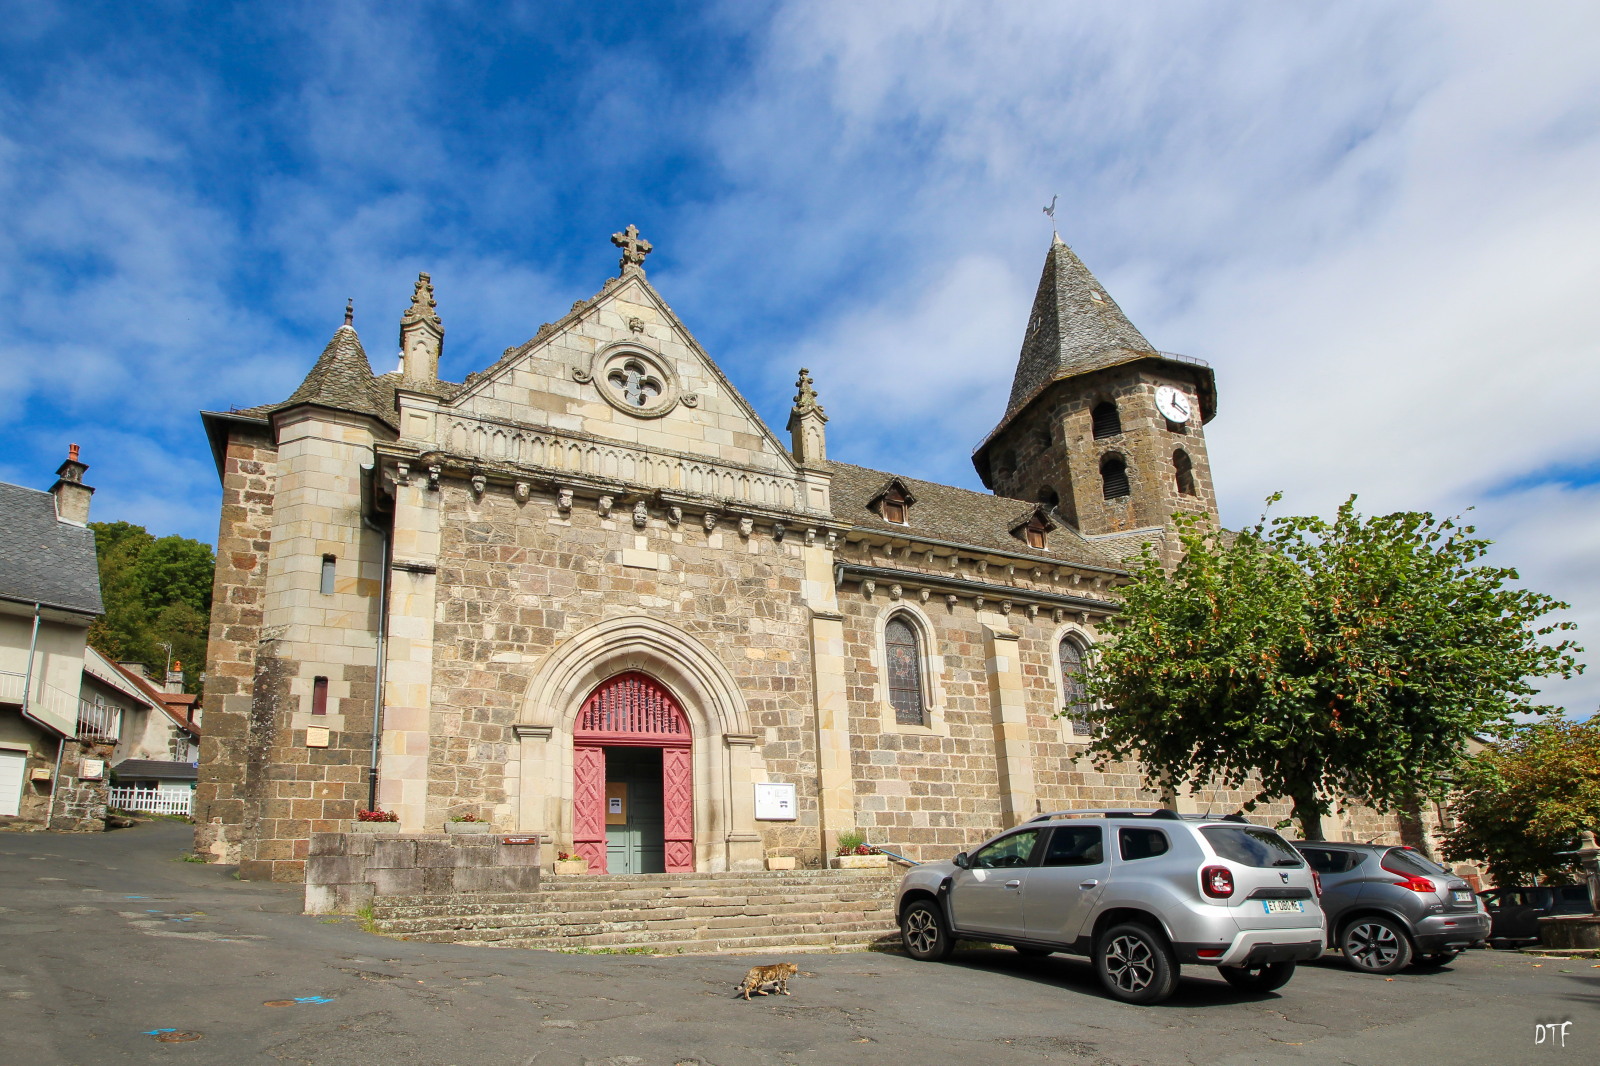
1102	812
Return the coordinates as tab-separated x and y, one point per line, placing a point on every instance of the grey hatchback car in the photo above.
1140	892
1387	906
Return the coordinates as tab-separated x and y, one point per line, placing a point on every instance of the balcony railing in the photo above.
98	720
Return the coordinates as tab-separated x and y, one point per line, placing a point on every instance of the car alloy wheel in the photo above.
1135	964
1376	945
924	934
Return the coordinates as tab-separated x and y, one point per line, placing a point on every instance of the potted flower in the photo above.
468	823
854	853
376	822
570	864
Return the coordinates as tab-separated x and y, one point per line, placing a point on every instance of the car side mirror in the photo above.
960	860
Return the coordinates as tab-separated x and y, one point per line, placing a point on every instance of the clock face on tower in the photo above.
1173	405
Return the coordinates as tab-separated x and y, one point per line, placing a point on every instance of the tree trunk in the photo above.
1309	817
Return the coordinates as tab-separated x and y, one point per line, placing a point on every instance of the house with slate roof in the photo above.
54	743
589	595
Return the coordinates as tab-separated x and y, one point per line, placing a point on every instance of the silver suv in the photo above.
1388	906
1139	891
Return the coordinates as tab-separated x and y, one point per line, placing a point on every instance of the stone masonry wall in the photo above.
345	870
228	792
517	579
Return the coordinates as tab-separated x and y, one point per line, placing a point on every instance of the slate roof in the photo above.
174	704
1069	330
157	768
960	516
44	560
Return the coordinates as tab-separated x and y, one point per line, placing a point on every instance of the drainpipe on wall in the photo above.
369	483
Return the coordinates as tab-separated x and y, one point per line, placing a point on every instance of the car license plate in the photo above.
1461	895
1281	906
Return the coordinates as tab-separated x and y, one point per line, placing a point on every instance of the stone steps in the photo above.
660	913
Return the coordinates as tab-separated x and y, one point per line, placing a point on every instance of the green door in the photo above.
637	844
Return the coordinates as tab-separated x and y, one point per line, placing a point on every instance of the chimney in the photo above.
175	679
72	495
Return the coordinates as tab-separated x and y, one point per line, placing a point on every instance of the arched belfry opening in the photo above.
633	779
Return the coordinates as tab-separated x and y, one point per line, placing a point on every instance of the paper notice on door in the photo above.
616	803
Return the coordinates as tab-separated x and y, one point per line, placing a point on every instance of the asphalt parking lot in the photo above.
107	941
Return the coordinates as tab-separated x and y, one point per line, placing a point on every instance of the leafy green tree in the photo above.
1346	658
1525	798
156	592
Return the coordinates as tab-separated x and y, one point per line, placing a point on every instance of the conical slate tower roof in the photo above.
1075	326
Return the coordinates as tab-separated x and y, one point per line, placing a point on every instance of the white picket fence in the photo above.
151	800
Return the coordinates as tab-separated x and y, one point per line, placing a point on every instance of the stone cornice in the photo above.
964	586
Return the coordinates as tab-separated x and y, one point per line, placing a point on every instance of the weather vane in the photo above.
1051	211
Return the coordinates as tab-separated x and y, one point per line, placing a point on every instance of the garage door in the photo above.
12	765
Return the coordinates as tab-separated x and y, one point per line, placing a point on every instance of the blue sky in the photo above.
1377	221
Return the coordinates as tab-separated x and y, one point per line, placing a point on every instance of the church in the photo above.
588	594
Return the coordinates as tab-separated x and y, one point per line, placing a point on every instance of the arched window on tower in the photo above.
1049	496
1107	423
1183	472
1074	701
1114	477
903	659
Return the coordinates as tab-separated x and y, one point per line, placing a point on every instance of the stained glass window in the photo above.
1073	698
905	672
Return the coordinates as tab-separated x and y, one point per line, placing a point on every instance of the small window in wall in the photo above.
1049	497
1183	472
1074	699
903	657
319	695
1107	423
1114	477
328	562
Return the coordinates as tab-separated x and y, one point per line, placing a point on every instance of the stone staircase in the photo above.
794	911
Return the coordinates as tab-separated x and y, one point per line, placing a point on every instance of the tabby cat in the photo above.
776	975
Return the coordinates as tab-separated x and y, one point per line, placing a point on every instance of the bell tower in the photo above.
1101	427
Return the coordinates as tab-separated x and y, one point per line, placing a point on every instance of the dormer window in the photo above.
1033	530
893	503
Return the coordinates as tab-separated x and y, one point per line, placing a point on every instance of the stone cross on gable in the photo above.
634	247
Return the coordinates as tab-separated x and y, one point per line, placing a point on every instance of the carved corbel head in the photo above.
605	503
479	483
894	592
977	603
747	526
674	514
709	521
1058	615
1005	607
522	490
563	500
923	594
868	588
950	601
641	515
1033	611
778	530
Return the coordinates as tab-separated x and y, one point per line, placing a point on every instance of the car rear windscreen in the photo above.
1250	845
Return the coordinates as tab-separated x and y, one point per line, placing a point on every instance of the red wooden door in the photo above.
589	806
677	794
633	710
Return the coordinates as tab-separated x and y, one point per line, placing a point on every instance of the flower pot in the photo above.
374	827
468	827
860	862
780	862
571	866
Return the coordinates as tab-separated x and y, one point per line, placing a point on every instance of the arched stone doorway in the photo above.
633	779
724	758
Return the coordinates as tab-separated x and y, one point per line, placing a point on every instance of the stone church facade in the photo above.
589	594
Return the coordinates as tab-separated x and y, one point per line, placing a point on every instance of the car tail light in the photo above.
1316	882
1217	882
1409	880
1210	953
1416	884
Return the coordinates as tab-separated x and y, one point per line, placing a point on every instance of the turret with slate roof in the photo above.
1100	426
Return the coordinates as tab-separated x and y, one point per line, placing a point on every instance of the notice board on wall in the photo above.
775	802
